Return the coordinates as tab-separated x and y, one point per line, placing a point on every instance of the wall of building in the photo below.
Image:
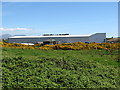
77	39
23	40
59	39
98	38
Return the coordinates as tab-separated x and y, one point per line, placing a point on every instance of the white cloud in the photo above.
14	29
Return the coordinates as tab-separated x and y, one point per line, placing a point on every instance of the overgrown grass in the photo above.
28	68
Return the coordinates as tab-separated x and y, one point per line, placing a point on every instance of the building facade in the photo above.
59	38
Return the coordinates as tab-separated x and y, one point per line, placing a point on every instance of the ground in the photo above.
28	68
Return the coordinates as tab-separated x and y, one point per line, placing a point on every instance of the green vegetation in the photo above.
29	68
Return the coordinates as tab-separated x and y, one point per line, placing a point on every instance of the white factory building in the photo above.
59	38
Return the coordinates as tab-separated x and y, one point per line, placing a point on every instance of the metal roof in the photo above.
49	36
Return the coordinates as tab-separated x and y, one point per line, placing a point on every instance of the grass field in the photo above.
28	68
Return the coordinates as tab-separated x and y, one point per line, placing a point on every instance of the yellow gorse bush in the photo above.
65	46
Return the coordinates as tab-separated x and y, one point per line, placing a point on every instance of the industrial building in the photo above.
59	38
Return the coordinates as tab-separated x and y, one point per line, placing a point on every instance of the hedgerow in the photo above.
65	46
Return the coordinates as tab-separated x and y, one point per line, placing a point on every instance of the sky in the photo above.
75	18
